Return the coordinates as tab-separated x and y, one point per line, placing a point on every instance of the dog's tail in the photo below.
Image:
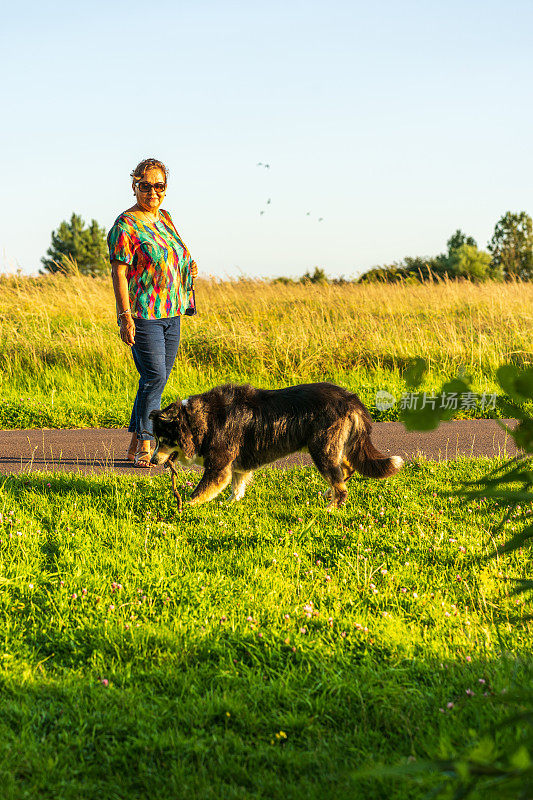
373	464
364	457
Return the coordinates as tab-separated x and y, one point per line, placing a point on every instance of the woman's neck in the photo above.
147	216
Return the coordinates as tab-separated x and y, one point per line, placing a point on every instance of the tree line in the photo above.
77	247
509	255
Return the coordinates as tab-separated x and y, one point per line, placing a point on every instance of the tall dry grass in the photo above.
279	333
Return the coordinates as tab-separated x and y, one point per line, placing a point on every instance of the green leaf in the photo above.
523	435
462	769
517	384
506	375
415	372
485	752
521	759
524	383
424	419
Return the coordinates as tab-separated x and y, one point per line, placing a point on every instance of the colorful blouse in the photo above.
159	265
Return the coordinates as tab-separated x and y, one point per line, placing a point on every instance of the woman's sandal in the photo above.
142	459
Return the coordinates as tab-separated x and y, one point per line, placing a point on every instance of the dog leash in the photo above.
168	463
192	310
174	490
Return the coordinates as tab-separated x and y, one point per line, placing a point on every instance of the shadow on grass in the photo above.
95	709
103	486
231	716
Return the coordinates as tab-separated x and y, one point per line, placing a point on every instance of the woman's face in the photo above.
148	197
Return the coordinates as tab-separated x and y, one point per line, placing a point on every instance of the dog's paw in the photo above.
337	501
236	496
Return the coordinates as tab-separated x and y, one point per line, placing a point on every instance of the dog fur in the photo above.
232	430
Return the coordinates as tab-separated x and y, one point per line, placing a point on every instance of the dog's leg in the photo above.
239	482
348	470
333	474
338	488
213	481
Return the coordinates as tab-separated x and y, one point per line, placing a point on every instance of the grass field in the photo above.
262	650
62	363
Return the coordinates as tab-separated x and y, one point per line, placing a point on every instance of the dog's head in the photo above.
173	435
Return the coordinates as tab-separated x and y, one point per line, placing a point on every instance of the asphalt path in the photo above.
97	450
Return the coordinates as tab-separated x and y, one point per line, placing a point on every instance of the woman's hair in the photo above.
149	163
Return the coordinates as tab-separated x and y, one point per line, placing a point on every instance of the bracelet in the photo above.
124	313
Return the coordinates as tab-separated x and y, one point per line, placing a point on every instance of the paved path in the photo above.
98	449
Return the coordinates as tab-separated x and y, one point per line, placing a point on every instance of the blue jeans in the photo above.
154	353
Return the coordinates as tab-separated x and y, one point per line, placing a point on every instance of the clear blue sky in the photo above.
397	122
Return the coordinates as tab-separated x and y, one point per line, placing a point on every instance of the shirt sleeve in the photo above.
120	244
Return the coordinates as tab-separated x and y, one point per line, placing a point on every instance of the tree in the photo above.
412	269
462	260
74	243
318	276
457	240
469	262
512	246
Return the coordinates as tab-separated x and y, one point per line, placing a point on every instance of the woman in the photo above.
153	278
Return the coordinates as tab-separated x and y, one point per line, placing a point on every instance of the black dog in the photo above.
232	430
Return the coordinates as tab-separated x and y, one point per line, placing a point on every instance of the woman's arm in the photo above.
120	286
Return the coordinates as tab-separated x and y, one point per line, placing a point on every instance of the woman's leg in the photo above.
132	428
132	448
149	356
172	341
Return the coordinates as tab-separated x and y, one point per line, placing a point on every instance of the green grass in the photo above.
261	650
59	398
62	363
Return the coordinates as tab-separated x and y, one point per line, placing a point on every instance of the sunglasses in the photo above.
146	186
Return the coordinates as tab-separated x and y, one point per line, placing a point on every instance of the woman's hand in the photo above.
194	269
127	330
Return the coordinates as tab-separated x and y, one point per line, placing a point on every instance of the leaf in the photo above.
485	751
458	385
462	769
518	385
511	411
524	383
523	435
415	372
507	375
430	410
521	759
424	419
